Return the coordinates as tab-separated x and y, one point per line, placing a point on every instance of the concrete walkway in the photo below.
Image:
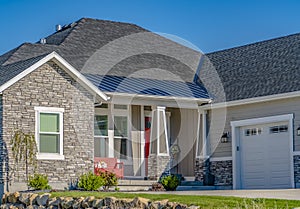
289	194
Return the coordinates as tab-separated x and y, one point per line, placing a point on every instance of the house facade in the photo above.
114	90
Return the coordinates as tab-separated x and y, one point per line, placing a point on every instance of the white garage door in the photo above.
265	156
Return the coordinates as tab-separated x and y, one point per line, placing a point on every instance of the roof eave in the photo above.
63	64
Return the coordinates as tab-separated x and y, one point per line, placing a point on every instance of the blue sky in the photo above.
210	25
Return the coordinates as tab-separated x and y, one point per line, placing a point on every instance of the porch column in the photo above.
159	158
143	142
110	143
202	161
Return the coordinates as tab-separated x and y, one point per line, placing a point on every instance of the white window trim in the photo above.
235	129
49	156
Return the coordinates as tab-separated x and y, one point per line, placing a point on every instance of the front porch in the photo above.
143	138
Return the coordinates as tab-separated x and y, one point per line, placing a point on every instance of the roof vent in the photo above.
58	28
43	41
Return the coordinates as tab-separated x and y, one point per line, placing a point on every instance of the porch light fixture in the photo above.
298	131
225	137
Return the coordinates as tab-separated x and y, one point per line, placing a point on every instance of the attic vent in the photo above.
58	27
43	41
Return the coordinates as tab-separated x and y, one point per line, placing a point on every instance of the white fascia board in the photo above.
253	100
270	119
166	98
62	63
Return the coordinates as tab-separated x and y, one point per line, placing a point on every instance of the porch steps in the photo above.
135	185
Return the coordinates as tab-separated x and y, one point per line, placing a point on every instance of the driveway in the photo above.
289	194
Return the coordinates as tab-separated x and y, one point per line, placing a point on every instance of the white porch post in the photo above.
142	146
204	135
110	143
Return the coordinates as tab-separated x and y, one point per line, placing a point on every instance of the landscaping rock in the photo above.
124	203
13	197
98	203
194	207
110	201
25	198
88	202
32	199
140	202
4	197
42	200
67	203
78	202
54	202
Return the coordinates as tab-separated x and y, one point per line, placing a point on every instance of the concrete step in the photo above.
191	183
125	182
134	185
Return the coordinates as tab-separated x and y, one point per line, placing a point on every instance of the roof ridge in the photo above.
254	43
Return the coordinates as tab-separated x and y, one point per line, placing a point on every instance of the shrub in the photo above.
39	181
170	182
90	181
109	178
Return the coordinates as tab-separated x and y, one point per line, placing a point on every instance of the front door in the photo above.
147	141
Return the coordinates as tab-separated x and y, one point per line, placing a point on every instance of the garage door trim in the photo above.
235	127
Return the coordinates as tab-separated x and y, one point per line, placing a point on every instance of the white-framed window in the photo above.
121	131
253	131
49	132
101	135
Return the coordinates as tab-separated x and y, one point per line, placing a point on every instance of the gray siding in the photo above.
183	128
220	124
50	86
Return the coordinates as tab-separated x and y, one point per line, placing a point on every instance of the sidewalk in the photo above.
289	194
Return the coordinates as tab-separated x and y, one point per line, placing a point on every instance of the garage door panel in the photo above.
265	157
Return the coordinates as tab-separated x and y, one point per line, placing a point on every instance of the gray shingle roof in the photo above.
80	41
9	71
259	69
143	86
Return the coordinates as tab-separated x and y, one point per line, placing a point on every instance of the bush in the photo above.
109	179
39	181
170	182
90	181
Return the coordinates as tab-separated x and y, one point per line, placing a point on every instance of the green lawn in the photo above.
202	201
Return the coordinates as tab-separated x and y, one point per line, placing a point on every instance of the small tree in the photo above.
24	151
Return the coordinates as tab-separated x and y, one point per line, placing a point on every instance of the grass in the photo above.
202	201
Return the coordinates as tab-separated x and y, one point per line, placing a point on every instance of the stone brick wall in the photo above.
50	86
297	170
222	170
199	170
157	165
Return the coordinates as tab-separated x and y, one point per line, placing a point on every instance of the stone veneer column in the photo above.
222	170
297	170
157	165
199	169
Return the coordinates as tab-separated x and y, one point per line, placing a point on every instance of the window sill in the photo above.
45	156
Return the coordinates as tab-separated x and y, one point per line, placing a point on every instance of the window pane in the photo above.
49	122
121	107
101	125
120	146
120	126
49	143
101	147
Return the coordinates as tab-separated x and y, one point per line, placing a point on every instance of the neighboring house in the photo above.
107	89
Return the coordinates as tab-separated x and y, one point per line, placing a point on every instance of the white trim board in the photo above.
235	125
252	100
63	64
215	159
